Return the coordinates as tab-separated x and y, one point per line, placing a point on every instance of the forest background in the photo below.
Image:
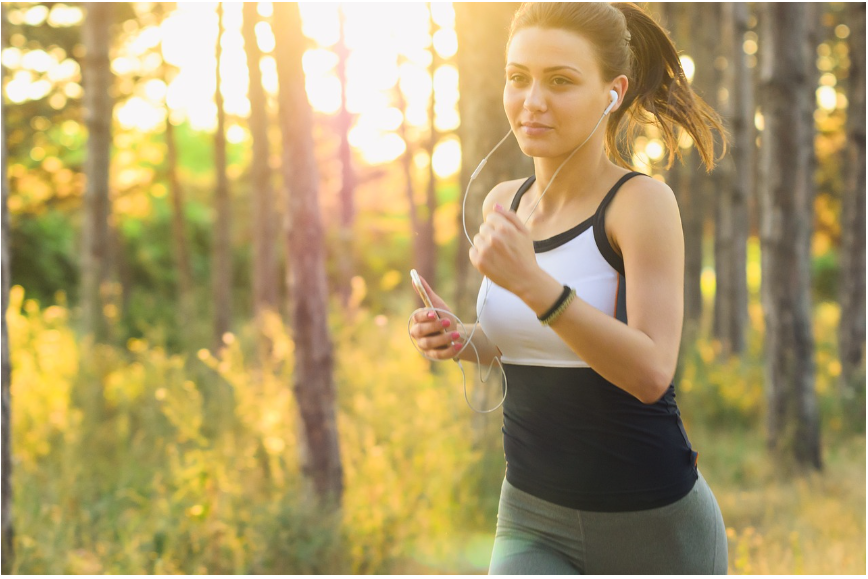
207	291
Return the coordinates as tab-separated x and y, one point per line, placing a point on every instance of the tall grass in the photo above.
135	460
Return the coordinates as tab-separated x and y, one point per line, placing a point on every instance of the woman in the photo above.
600	476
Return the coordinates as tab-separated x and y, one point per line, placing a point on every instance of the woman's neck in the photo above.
577	182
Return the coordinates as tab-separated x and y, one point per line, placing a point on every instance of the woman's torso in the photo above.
570	436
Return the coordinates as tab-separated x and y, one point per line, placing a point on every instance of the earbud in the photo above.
614	96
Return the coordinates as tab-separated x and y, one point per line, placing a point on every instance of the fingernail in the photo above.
455	335
431	315
498	206
457	346
446	323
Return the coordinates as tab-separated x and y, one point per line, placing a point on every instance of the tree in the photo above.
314	359
179	233
97	78
683	180
851	331
731	218
786	218
8	528
264	282
344	123
221	273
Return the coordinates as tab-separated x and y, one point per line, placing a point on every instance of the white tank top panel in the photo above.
581	258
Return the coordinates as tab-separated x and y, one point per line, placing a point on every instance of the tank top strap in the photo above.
600	237
611	194
521	191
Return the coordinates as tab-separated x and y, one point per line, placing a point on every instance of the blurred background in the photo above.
210	214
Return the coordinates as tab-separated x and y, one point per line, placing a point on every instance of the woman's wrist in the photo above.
540	292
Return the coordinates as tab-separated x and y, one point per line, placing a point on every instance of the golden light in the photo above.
324	94
137	113
689	67
446	43
654	149
443	14
62	16
37	60
318	61
319	22
264	37
36	15
827	98
11	57
447	158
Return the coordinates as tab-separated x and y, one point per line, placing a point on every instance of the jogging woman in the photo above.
585	305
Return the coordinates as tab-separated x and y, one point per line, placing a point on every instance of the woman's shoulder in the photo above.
640	199
502	193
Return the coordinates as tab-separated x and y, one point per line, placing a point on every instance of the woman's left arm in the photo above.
640	356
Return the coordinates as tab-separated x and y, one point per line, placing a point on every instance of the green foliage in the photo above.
135	460
43	254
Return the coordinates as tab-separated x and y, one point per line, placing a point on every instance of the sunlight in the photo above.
447	157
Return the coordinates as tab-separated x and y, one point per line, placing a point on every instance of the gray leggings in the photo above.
536	537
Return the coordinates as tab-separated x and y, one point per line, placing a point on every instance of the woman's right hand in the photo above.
435	337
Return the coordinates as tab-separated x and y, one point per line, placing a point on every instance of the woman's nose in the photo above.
534	99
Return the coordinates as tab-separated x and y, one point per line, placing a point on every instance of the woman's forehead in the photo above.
539	48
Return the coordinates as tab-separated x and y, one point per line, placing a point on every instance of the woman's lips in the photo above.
534	130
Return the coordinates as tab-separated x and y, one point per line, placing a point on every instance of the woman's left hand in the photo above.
503	251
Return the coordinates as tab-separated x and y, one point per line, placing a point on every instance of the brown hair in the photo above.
628	41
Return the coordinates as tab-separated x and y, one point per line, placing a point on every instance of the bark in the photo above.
427	257
221	274
264	276
97	78
344	119
179	233
689	194
8	540
785	232
314	364
731	218
851	330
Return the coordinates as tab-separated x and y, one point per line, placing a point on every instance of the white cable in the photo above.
469	339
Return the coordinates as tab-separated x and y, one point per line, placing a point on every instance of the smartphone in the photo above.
420	289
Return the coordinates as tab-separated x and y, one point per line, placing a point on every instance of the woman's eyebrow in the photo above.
545	69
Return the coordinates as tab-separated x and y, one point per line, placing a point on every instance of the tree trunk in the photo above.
314	364
427	258
221	274
688	193
97	78
264	282
344	119
851	330
8	541
785	231
731	223
182	253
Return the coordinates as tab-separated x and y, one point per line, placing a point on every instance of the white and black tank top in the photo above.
570	436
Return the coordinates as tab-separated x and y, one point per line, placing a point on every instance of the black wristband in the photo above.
564	295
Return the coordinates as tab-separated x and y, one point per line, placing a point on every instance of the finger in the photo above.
510	217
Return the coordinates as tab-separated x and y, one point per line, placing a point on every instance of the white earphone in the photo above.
614	97
469	339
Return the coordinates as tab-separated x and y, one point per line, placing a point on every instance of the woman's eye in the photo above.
566	80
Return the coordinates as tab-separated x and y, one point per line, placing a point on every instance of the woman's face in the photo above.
552	78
